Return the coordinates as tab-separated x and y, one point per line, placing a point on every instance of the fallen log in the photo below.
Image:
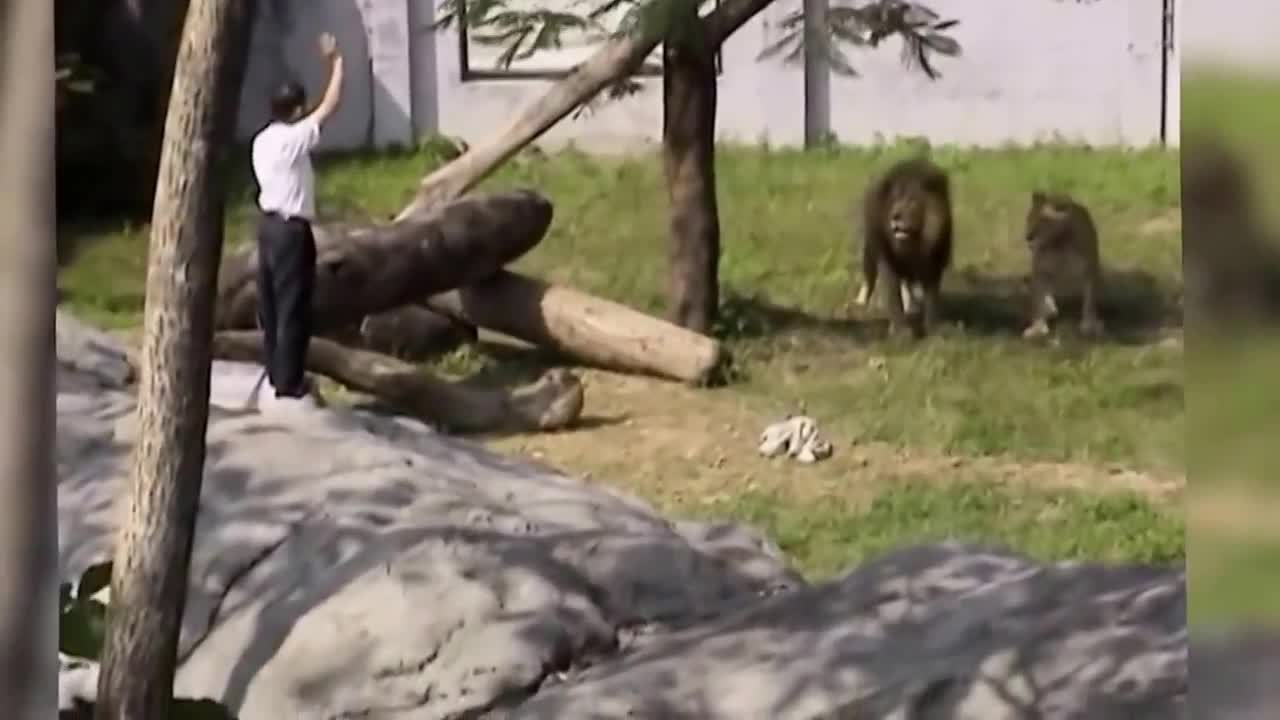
364	270
552	402
412	333
589	329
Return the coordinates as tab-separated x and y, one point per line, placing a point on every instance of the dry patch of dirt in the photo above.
679	446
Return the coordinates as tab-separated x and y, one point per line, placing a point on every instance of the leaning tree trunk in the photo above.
28	515
688	155
148	588
613	61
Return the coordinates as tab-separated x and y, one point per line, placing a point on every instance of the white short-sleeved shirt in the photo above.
281	156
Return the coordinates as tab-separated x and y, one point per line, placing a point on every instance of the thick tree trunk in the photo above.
372	269
28	482
411	333
148	587
553	402
589	329
688	155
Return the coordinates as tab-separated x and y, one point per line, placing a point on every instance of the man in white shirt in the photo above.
281	156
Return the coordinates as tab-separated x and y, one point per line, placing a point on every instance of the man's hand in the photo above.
328	46
329	49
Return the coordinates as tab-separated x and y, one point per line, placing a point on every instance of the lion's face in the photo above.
906	212
1047	223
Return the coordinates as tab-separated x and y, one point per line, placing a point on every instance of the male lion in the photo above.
906	218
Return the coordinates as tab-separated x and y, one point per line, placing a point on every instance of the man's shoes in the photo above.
310	399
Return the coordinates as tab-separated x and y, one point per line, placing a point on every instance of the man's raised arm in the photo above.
333	91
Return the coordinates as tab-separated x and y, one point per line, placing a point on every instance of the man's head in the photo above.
288	102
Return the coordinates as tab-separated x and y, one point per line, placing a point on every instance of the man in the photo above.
281	157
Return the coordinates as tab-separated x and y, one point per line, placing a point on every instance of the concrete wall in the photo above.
1032	70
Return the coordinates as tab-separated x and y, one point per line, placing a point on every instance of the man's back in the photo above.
281	157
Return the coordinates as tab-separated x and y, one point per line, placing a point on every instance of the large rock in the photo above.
349	565
936	631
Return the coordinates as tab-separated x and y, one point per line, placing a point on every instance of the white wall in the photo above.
377	100
1031	70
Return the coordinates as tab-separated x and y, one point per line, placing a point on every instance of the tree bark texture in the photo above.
413	333
154	547
589	329
552	402
613	61
367	270
28	482
688	159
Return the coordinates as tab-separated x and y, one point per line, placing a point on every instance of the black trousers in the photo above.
286	279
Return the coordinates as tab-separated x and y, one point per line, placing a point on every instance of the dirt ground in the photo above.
678	446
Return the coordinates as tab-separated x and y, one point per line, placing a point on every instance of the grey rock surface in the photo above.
933	631
352	565
349	565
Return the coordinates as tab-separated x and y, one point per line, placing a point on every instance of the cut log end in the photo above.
589	329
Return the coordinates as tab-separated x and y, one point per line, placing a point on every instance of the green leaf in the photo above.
82	628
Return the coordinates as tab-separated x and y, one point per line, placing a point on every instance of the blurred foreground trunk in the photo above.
28	506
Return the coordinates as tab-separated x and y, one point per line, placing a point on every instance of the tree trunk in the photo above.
688	155
586	328
372	269
411	333
148	587
28	510
613	61
553	402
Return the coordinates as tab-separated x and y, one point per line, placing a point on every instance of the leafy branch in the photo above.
866	26
522	30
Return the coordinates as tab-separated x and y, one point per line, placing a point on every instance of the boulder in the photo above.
349	564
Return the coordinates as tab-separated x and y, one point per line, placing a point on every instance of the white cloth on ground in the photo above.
797	437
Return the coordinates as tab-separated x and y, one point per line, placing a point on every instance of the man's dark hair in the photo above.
287	101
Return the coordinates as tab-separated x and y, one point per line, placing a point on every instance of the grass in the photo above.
1046	524
897	411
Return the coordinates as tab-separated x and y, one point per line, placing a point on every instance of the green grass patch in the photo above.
976	388
825	540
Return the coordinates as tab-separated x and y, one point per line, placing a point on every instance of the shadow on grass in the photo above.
1136	308
754	317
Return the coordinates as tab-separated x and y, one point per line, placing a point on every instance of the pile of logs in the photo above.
390	294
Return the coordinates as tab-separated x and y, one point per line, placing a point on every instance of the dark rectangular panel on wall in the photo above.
475	74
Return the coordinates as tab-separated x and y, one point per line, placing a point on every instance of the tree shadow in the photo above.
753	316
342	502
1135	306
921	632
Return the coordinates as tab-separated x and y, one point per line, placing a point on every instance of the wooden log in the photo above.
365	270
552	402
412	333
589	329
